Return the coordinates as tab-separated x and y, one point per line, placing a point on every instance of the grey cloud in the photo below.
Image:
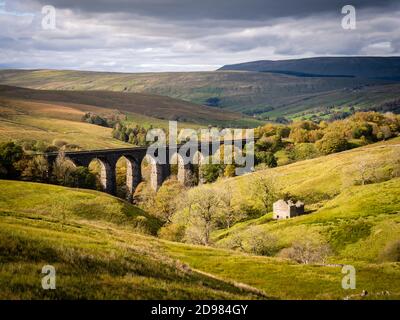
143	35
215	9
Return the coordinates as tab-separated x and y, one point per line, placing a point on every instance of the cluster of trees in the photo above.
135	135
190	215
328	113
307	139
95	119
108	121
17	164
196	214
389	106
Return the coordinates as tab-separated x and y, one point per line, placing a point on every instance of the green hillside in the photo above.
336	200
246	92
47	116
360	224
24	121
97	246
103	247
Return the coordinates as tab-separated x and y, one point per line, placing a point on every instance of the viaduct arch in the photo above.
134	156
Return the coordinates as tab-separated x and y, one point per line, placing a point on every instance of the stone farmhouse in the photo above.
287	209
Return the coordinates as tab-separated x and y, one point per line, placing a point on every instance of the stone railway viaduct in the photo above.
134	156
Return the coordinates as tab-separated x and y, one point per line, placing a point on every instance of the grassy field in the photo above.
359	222
147	105
103	247
40	120
21	120
321	179
100	249
271	94
98	246
282	279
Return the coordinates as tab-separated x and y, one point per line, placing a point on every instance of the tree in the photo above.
304	151
81	177
35	169
266	157
228	214
203	214
259	242
230	171
167	199
210	172
264	189
63	170
10	154
307	251
332	142
144	196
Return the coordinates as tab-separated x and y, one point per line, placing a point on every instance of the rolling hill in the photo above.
364	67
98	247
101	246
359	222
328	188
159	107
265	93
47	116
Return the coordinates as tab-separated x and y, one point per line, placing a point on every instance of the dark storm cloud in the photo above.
216	9
173	35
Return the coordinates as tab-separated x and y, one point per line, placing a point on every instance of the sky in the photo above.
189	35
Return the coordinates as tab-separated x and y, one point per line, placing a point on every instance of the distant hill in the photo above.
251	93
47	116
159	107
366	67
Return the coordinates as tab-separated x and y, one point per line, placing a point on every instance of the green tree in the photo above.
266	157
211	172
265	190
81	177
10	155
167	199
332	142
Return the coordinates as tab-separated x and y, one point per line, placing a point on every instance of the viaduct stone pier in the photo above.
160	170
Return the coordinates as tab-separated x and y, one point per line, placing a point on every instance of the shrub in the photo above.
391	252
259	242
303	151
266	157
307	251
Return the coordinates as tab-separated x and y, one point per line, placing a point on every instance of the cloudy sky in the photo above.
189	35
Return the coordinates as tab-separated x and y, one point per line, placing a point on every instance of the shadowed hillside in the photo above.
247	92
367	67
